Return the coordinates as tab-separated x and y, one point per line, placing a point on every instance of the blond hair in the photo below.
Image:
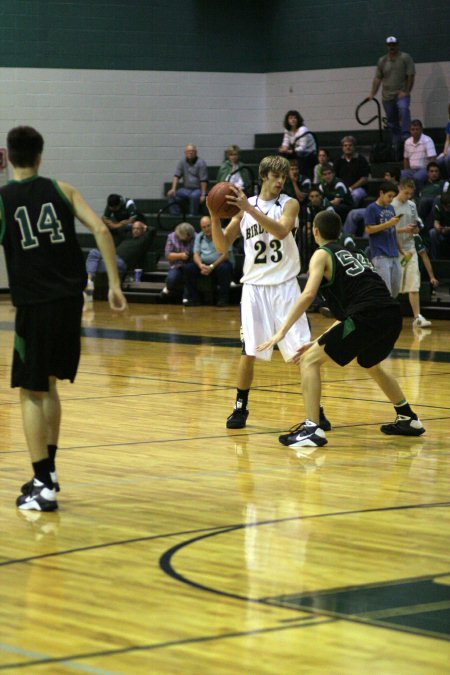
273	163
232	149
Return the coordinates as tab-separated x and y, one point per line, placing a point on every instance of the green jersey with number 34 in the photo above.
354	286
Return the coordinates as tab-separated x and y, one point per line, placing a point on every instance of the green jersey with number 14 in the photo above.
37	230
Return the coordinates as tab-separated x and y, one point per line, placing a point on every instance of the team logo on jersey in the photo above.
254	230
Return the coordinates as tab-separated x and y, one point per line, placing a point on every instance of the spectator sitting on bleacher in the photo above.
304	237
316	203
444	158
322	159
119	214
433	187
409	246
298	143
193	171
297	186
233	171
392	176
353	169
354	223
419	150
130	253
440	233
179	249
208	262
335	191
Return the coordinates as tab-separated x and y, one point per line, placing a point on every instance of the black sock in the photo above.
42	472
51	455
403	409
242	398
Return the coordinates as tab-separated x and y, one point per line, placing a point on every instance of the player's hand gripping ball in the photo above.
217	200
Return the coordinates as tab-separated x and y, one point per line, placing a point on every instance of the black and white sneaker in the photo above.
28	486
305	434
237	419
40	498
403	426
324	423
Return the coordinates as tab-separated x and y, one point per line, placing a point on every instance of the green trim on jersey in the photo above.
349	327
325	283
35	176
62	195
2	220
20	347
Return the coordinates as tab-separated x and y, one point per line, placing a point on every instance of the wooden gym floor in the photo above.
181	547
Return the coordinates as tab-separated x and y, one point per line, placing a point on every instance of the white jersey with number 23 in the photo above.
268	260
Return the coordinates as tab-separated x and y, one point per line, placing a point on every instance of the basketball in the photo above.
217	202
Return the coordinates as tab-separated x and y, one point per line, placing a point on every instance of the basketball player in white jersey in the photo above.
267	223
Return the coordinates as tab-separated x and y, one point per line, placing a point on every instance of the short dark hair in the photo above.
394	171
433	165
296	114
417	122
24	144
114	201
328	167
387	186
329	224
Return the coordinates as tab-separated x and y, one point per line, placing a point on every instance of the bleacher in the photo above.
436	305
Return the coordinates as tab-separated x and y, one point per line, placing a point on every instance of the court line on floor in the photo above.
173	643
210	531
168	568
247	433
189	339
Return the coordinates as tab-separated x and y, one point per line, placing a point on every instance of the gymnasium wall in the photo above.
123	131
118	87
206	35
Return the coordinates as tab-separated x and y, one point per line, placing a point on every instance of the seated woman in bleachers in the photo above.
298	142
178	251
322	159
233	171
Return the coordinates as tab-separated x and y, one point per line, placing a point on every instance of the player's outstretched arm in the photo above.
104	242
316	271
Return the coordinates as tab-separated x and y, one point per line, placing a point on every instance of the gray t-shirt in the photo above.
408	215
393	73
192	174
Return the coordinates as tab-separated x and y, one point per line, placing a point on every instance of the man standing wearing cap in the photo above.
395	71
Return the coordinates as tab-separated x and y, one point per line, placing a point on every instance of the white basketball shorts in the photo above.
263	311
411	275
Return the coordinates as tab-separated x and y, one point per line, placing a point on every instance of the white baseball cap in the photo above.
391	40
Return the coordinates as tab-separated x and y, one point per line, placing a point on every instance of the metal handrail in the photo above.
381	120
166	208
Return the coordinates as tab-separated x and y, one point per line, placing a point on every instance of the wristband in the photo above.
211	267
